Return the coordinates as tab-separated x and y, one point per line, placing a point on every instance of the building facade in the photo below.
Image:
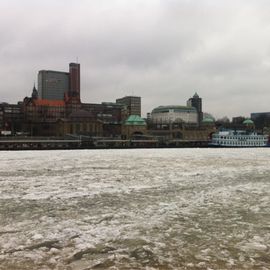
56	85
165	115
11	118
110	114
74	80
261	120
52	85
55	109
134	125
107	112
80	122
132	103
196	102
45	117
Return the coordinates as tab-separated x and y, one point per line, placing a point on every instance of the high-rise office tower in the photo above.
196	102
52	85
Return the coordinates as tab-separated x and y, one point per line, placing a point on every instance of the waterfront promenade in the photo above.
81	142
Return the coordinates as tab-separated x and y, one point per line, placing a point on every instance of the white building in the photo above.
174	114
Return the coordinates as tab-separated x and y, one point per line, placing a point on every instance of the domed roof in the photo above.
248	122
135	120
175	108
208	120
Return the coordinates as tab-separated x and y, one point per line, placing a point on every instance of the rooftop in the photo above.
50	103
248	122
174	107
135	120
208	120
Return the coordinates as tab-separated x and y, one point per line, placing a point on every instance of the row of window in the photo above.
239	143
241	137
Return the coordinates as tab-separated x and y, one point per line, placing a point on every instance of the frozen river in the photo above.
135	209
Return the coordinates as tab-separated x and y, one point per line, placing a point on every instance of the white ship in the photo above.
239	138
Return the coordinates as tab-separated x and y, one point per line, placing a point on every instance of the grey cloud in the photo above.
161	50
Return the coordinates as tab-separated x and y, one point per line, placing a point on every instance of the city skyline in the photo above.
163	51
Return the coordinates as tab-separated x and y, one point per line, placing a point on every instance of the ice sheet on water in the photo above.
170	208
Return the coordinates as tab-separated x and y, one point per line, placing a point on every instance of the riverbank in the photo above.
49	143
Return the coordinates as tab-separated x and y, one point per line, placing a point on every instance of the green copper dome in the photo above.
248	122
208	120
135	120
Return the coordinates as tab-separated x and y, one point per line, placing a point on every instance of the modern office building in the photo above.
55	85
52	85
196	102
132	103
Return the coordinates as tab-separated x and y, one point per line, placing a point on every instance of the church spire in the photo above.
34	92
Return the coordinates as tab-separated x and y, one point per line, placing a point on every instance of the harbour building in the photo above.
173	114
175	122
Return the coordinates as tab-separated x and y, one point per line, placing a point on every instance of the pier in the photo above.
81	142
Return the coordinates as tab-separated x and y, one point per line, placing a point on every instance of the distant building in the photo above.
236	123
55	109
11	117
165	115
132	103
261	120
40	116
133	126
80	122
175	122
74	80
52	85
206	122
178	123
196	102
238	119
148	117
111	114
107	112
255	116
44	109
249	124
55	85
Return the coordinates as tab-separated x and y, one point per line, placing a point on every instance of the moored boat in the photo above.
239	138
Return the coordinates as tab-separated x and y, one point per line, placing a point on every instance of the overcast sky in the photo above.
161	50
